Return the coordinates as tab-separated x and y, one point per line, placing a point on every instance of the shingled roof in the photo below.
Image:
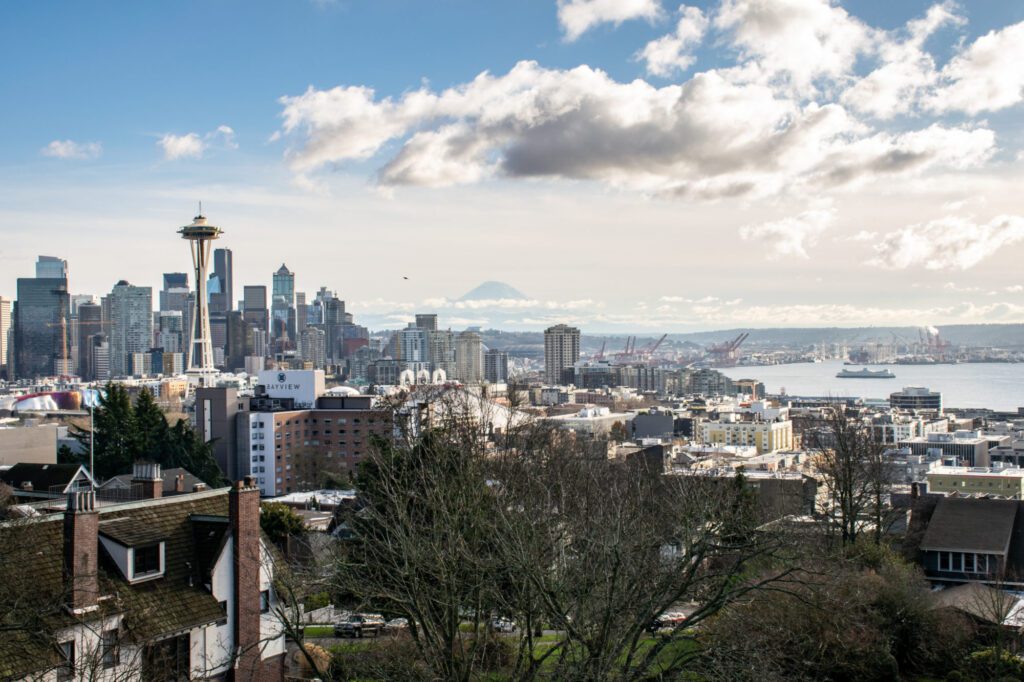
971	525
33	593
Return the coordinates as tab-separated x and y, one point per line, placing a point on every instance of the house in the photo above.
30	480
175	482
164	588
974	540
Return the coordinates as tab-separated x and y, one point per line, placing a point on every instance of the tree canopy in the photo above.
126	433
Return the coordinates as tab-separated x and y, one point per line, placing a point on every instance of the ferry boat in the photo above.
865	374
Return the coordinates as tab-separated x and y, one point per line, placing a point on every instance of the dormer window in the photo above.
147	561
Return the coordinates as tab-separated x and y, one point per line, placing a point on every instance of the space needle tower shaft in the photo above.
200	349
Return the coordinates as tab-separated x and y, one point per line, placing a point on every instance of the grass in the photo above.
319	631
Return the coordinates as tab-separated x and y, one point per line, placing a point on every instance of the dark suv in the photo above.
360	625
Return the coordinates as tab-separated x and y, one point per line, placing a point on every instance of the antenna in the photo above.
200	208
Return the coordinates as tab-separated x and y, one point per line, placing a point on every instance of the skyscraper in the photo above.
50	267
427	321
496	366
469	358
5	334
254	307
90	323
131	325
200	350
223	270
282	304
561	350
42	346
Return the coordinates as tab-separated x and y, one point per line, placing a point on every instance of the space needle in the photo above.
200	349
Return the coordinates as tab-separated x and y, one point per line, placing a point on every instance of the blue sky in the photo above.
122	115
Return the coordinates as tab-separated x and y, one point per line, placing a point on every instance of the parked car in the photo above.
669	619
503	625
360	625
397	624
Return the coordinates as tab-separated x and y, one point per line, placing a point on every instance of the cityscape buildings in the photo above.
6	335
131	326
561	351
42	344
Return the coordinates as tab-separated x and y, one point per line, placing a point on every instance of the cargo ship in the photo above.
865	374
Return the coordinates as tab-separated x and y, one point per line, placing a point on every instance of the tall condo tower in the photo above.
199	235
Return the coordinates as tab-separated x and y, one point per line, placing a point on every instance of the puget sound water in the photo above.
999	386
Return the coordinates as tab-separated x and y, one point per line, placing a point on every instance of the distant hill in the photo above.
493	291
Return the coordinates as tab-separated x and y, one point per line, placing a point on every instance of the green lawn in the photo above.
319	631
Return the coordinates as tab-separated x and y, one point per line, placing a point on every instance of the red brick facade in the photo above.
244	513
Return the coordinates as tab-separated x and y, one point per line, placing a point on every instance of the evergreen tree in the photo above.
125	434
114	431
151	429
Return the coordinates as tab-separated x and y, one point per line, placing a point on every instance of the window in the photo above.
945	561
66	671
111	655
146	561
969	563
264	601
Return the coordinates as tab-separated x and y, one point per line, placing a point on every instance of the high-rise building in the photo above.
561	350
412	344
334	325
200	349
239	340
49	267
42	343
313	343
90	323
442	351
254	307
427	321
469	358
170	334
5	334
131	325
223	270
282	305
99	364
496	366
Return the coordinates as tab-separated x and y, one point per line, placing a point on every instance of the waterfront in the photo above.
999	386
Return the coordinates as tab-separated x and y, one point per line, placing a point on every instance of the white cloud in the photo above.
193	146
861	236
707	138
182	146
1014	289
948	243
674	299
906	71
579	16
69	149
794	42
791	236
673	52
986	76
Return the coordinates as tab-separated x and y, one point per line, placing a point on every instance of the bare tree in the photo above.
857	478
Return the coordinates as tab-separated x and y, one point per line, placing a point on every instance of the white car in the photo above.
503	625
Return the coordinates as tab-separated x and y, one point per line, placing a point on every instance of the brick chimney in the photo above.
179	483
81	550
147	476
244	516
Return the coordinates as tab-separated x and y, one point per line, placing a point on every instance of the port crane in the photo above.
726	354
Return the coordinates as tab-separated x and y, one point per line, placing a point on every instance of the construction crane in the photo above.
725	354
600	353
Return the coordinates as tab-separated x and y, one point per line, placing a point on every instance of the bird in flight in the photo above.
404	277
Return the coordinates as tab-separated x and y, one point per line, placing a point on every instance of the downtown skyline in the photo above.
703	176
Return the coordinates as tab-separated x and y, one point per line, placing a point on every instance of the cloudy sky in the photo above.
630	165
